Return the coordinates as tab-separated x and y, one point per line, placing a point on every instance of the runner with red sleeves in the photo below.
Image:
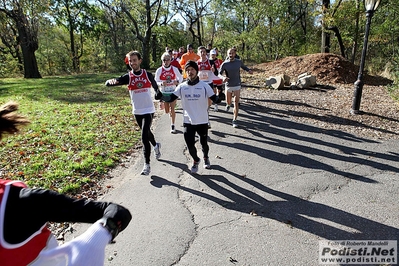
205	73
217	81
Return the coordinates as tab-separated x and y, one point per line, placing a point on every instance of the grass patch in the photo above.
393	91
79	130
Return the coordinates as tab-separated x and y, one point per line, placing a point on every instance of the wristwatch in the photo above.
111	226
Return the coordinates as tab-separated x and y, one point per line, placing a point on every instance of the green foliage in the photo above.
53	54
393	70
263	30
79	129
171	36
9	66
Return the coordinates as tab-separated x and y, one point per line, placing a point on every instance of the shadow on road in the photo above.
251	105
269	128
272	131
291	210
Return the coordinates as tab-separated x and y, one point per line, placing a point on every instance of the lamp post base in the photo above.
356	112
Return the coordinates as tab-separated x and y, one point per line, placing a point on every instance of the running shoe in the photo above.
172	129
157	150
146	169
207	163
194	168
235	123
227	108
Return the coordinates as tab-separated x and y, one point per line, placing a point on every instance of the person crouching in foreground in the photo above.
24	213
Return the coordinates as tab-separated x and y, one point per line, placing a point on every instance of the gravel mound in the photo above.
328	69
328	104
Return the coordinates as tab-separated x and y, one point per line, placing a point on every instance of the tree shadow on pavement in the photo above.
306	162
299	144
316	218
250	106
270	132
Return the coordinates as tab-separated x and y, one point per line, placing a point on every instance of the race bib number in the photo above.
170	88
203	75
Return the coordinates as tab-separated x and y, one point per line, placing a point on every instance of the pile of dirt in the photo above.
328	69
328	104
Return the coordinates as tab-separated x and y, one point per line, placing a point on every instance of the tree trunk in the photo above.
325	36
29	45
325	42
198	24
154	47
356	35
146	48
270	38
20	62
339	38
73	51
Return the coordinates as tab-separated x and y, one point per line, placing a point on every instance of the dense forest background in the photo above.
53	37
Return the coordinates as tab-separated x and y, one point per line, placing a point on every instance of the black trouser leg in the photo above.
203	134
147	138
189	138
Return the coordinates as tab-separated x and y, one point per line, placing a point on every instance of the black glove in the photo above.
116	218
158	95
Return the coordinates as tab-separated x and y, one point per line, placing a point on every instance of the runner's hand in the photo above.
119	214
111	82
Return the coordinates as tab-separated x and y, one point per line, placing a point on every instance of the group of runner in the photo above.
211	72
204	76
23	243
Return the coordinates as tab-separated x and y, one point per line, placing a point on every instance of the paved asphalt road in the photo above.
275	189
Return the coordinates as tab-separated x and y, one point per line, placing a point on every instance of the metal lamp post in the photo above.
371	6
